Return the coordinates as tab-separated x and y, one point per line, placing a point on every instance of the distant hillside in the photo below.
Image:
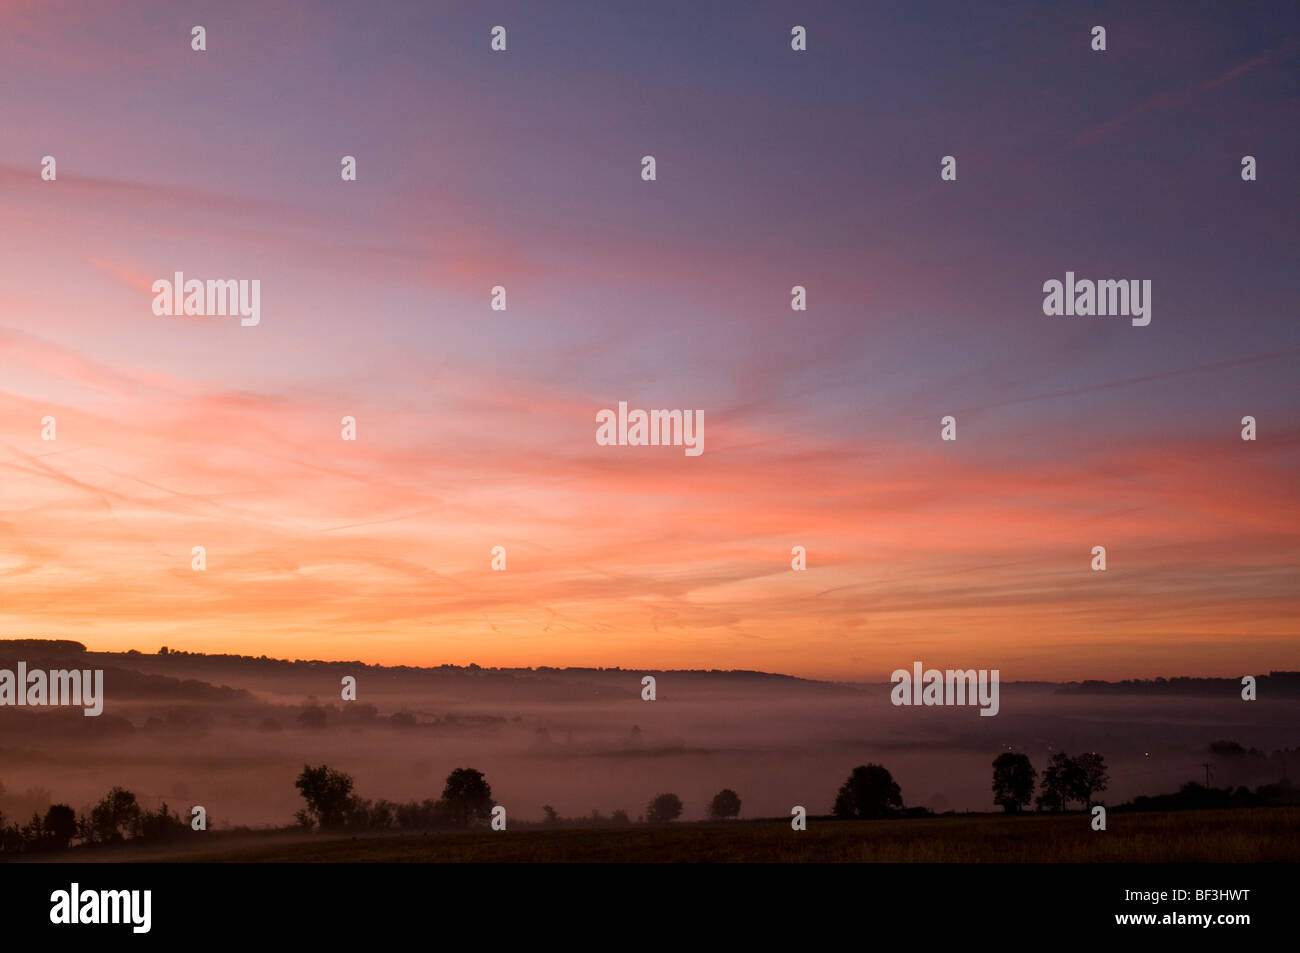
540	683
121	671
50	647
1272	685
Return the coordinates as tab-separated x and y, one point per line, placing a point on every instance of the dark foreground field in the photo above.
1247	835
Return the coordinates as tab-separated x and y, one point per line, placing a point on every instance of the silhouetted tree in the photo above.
328	794
551	816
162	825
33	835
468	797
726	803
60	826
365	814
11	839
1049	801
1013	781
383	815
1089	777
425	815
116	816
664	808
1059	784
870	791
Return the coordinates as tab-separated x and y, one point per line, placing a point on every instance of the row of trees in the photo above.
117	817
619	818
668	807
870	791
331	804
1065	780
466	801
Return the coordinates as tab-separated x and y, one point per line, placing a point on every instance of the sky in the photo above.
476	428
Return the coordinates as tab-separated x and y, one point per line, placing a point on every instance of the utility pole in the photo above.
1206	766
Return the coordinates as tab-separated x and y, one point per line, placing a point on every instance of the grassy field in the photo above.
1247	835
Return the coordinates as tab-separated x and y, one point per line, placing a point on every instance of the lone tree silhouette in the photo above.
328	794
664	808
468	797
870	791
1013	781
726	803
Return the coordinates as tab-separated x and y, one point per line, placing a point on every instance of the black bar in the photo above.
665	904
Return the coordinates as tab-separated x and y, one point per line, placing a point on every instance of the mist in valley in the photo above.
232	734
